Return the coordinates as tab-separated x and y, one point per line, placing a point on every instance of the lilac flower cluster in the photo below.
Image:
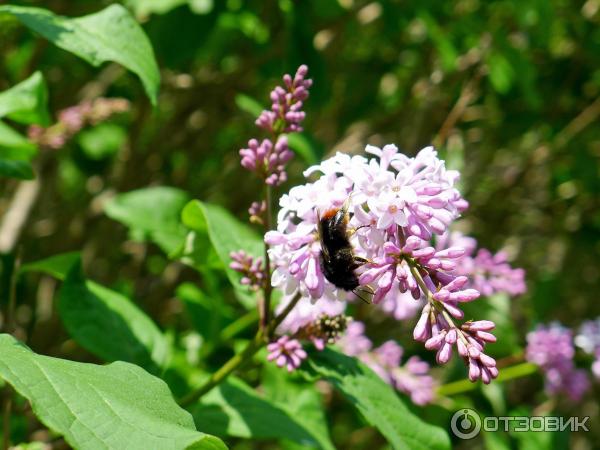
412	378
551	348
268	158
253	274
588	339
398	204
287	352
488	273
321	323
71	120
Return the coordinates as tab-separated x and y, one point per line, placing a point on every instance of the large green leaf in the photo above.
109	35
110	407
108	324
377	402
26	102
234	409
226	234
155	211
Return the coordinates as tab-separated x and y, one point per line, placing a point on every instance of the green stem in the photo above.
266	303
239	325
509	373
241	358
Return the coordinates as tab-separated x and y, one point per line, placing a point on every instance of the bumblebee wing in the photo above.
320	233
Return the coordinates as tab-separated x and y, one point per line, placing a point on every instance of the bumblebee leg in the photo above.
360	260
352	231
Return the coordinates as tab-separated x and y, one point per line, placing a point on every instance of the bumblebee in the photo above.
337	258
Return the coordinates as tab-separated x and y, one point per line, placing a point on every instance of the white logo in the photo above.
465	423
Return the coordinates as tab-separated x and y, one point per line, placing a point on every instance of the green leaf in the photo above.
155	211
109	325
235	409
27	101
111	407
300	398
502	73
226	234
303	147
57	266
16	169
377	402
249	105
16	153
109	35
102	141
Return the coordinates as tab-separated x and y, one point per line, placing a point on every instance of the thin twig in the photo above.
578	124
467	95
17	214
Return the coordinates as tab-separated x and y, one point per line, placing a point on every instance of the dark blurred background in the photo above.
509	91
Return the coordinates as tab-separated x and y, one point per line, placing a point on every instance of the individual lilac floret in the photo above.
74	118
251	268
286	112
551	347
412	378
286	352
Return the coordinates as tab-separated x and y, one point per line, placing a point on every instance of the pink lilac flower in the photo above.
398	204
412	378
588	339
286	352
251	268
551	347
488	273
268	158
74	118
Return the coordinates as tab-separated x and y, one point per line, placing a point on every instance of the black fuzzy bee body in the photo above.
337	258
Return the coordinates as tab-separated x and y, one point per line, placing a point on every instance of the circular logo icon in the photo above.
465	423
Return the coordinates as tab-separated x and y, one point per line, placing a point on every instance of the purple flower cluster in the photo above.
320	324
268	158
253	274
71	120
287	352
551	348
412	378
398	205
286	113
588	339
488	273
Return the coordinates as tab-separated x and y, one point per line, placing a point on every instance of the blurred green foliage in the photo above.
508	90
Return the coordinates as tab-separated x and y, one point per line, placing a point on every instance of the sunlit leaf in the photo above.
26	102
377	402
155	211
112	407
109	35
234	409
226	234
